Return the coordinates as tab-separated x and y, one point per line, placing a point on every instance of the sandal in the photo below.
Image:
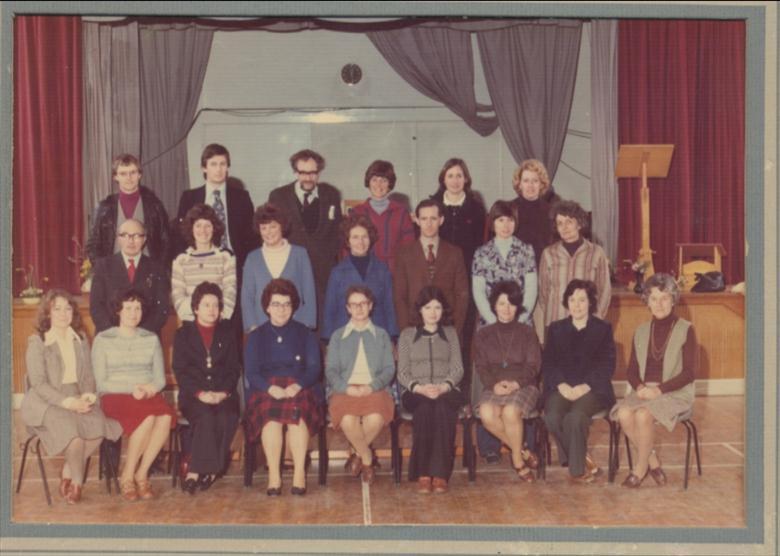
145	491
530	459
525	474
128	490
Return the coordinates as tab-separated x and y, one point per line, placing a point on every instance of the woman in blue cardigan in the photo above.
282	365
277	258
359	268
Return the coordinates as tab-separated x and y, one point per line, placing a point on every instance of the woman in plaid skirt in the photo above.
507	359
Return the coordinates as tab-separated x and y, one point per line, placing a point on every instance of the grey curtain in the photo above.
604	126
112	111
530	71
173	60
439	63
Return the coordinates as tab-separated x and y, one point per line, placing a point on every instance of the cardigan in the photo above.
512	343
120	363
190	269
534	225
378	280
557	268
343	351
290	351
463	225
394	228
256	277
575	357
429	358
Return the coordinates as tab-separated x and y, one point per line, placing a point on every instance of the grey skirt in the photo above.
524	398
665	409
61	425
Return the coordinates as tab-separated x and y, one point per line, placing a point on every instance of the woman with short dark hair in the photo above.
130	376
577	367
277	258
203	261
429	371
207	369
282	365
390	218
59	402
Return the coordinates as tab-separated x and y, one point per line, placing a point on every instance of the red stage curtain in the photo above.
683	82
47	148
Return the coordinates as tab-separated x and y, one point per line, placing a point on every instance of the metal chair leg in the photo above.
322	448
43	471
249	459
687	453
696	446
395	448
611	457
469	450
24	460
628	453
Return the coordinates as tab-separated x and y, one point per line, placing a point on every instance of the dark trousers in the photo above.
569	422
433	433
211	431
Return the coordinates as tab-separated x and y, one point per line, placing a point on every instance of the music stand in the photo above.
644	161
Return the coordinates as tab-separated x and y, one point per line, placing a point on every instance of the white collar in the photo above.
300	192
211	188
136	259
50	338
349	328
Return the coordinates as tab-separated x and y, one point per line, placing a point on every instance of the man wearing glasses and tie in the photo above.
130	268
314	211
131	201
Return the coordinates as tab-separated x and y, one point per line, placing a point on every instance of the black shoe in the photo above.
206	481
492	458
274	491
189	485
298	491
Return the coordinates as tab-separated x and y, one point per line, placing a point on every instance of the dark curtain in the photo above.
683	82
530	71
440	64
47	200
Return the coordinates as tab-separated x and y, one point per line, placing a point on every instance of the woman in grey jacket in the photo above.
359	369
429	370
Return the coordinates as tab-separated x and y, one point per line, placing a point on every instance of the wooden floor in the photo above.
715	499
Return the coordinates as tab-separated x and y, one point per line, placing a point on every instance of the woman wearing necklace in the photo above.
203	261
282	365
207	369
660	372
130	374
577	367
59	404
429	372
277	258
507	359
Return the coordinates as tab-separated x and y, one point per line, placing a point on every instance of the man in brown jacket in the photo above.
430	261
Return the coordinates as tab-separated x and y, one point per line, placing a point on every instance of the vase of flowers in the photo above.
638	268
30	295
84	265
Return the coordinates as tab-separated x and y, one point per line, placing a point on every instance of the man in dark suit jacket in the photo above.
237	205
113	274
430	261
314	211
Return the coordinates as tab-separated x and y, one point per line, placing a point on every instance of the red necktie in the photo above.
431	263
131	270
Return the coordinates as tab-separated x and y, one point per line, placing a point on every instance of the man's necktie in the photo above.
306	201
131	270
431	262
219	208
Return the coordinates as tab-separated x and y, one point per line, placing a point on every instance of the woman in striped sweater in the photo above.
203	261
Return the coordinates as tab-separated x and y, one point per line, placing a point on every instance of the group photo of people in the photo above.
410	271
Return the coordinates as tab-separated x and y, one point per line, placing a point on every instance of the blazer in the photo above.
378	280
592	364
411	275
44	376
110	277
190	363
322	245
240	213
257	276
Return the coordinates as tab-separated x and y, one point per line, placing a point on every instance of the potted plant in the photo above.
31	295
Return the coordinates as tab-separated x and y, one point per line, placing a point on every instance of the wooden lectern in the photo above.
645	161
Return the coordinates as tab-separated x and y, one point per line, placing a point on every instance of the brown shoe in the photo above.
658	475
584	479
145	491
439	485
633	481
530	459
590	466
64	486
128	490
353	465
368	474
525	474
73	496
424	485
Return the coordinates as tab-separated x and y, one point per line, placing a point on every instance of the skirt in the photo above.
525	398
61	425
131	412
380	402
665	408
261	408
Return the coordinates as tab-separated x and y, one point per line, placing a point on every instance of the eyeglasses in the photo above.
125	235
302	173
280	304
358	305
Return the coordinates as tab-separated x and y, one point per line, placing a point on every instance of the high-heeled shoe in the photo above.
64	486
73	495
275	491
298	491
206	481
657	474
190	485
633	481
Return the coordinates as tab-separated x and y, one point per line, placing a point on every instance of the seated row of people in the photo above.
282	370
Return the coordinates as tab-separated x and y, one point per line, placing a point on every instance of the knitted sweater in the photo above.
190	269
120	363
